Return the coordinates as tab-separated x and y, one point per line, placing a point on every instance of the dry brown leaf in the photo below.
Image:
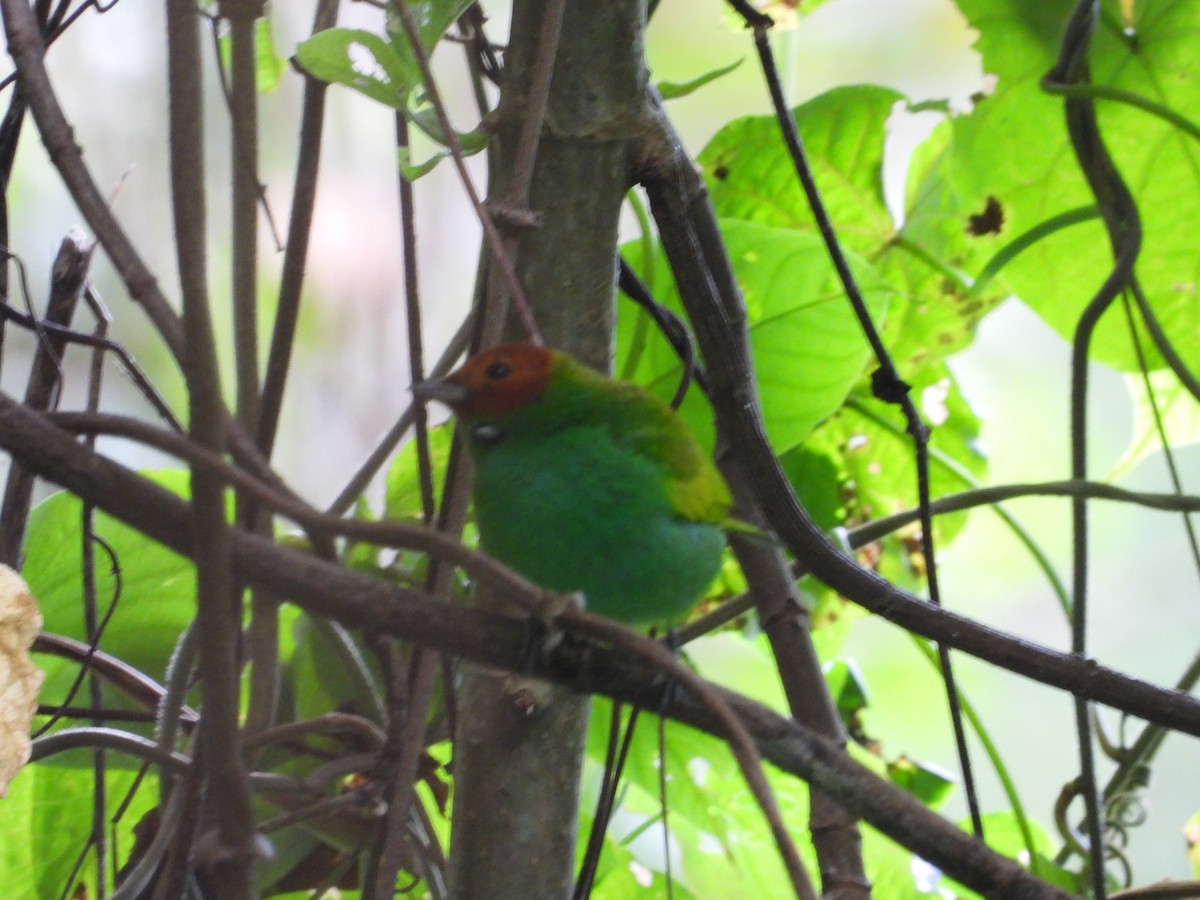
20	622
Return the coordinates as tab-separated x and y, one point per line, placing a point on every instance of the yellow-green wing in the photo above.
695	487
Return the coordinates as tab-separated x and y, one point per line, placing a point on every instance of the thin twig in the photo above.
886	383
1119	213
491	234
135	684
244	186
408	702
291	278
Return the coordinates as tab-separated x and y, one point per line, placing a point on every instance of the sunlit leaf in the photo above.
1014	149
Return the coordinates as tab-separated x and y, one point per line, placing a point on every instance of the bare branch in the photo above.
227	797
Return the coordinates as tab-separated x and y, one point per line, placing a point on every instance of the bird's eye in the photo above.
497	370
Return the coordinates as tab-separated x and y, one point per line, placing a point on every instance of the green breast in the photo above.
574	512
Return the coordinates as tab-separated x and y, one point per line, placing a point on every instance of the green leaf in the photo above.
928	783
412	171
47	817
157	596
385	68
424	117
815	479
793	300
866	440
403	498
360	60
847	687
319	677
934	259
894	872
1014	148
750	175
671	90
269	65
724	846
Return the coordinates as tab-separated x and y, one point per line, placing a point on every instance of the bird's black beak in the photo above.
441	389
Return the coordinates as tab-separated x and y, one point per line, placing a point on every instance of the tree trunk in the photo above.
519	746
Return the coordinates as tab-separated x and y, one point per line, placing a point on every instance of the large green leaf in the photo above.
808	348
1014	148
46	821
157	586
721	844
750	175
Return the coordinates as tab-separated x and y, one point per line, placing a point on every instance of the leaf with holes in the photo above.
362	61
1014	149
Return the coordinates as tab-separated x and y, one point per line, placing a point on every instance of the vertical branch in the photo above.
262	642
227	803
785	620
242	16
44	385
93	626
264	629
304	195
406	725
1121	219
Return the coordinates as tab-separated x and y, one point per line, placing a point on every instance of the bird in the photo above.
587	484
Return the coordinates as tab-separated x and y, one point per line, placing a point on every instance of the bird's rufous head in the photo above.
493	381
